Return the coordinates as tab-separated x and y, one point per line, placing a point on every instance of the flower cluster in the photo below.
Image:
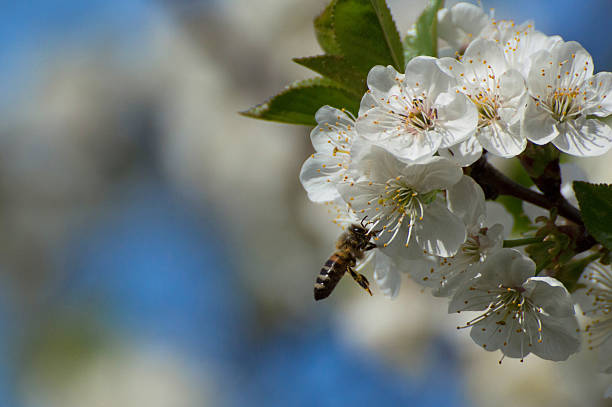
400	169
596	302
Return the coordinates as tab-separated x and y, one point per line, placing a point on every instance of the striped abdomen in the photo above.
331	272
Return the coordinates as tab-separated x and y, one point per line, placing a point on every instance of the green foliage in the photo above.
367	35
299	102
556	247
336	68
324	30
355	35
595	202
424	40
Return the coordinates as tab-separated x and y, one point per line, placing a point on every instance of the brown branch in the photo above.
494	183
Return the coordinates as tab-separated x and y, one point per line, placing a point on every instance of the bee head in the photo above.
358	229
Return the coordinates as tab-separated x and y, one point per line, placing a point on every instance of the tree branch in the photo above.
494	183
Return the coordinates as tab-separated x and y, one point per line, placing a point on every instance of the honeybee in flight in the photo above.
350	247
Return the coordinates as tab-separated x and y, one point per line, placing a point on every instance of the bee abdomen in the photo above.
331	272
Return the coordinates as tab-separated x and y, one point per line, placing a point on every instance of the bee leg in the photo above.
360	279
370	246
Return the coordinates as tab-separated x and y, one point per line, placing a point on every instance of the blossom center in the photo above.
402	202
487	106
564	104
513	313
419	117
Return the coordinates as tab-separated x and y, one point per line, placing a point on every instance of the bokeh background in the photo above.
156	248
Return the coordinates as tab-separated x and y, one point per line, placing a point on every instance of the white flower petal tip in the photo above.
387	276
522	314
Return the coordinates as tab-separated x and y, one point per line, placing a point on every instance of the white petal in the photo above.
537	124
368	101
387	276
448	281
499	140
435	173
461	23
425	76
484	56
440	232
497	213
605	356
382	80
405	256
601	84
579	58
560	338
319	178
457	118
492	336
512	85
422	271
551	295
465	153
508	267
471	296
466	200
492	240
608	393
328	114
594	138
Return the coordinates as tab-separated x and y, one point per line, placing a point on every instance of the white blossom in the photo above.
564	93
596	302
519	42
522	313
404	201
498	92
461	24
466	200
332	140
413	115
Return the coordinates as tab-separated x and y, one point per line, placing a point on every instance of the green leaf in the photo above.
299	102
595	202
324	30
390	32
367	35
336	67
424	41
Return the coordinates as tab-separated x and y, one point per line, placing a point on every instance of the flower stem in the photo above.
521	242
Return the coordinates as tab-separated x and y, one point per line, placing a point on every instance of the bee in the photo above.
350	247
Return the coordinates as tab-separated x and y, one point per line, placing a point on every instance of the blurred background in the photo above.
157	248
